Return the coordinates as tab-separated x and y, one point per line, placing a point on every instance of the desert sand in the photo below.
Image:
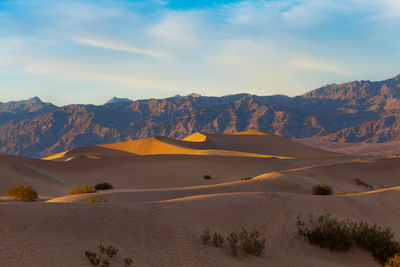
161	202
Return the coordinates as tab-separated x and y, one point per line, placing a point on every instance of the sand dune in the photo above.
161	202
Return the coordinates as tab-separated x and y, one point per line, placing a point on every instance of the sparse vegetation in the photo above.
103	186
361	182
250	243
94	200
205	236
328	232
245	178
218	239
81	190
128	262
233	240
346	192
393	261
322	189
207	177
105	256
22	192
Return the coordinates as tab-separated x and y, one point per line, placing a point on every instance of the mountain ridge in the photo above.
354	112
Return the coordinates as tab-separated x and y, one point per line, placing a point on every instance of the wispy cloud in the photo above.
113	45
212	47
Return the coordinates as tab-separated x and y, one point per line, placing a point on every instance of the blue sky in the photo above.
88	51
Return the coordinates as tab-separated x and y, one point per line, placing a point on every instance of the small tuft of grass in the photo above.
218	239
205	236
322	189
361	182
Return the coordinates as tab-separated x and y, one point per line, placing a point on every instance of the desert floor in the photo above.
161	202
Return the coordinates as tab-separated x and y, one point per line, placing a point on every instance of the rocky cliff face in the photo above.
360	111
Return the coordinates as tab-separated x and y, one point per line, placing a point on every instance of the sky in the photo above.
88	51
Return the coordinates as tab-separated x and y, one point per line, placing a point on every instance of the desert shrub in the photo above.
233	240
328	232
94	200
393	261
106	254
245	178
103	186
128	262
251	244
218	239
377	240
81	190
22	192
322	189
346	192
207	177
92	258
205	236
361	182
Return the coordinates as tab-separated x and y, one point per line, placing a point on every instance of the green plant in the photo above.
128	262
322	189
393	261
79	190
346	192
205	236
22	192
233	239
251	244
328	232
379	241
218	239
207	177
361	182
103	186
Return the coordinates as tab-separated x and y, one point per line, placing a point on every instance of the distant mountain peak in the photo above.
194	95
35	99
116	100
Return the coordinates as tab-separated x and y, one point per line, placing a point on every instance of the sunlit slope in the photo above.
246	144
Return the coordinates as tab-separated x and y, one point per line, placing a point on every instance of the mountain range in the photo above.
354	112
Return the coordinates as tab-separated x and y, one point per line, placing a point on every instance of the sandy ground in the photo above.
161	202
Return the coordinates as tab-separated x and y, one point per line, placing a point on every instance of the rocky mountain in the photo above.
360	111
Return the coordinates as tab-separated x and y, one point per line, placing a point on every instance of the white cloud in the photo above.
114	45
317	65
178	28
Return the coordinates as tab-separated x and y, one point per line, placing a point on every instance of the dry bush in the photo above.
103	186
22	192
322	189
205	236
81	190
218	239
328	232
393	261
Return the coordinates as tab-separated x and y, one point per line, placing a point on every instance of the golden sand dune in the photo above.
245	144
161	201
